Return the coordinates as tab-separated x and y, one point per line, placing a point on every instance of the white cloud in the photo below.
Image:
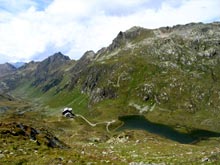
76	26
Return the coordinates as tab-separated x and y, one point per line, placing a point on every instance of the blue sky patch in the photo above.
16	6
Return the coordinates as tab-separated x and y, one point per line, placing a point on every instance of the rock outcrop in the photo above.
40	136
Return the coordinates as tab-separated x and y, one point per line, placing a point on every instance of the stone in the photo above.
2	156
205	159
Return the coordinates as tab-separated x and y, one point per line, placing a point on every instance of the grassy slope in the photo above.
175	110
133	146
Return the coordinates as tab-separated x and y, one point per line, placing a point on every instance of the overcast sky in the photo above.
35	29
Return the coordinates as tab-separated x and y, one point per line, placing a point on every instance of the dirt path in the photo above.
108	123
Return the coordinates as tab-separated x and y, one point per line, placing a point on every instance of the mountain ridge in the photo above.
164	68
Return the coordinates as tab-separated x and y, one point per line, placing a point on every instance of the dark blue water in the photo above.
140	122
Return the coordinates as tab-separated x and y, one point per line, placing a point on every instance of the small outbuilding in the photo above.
67	112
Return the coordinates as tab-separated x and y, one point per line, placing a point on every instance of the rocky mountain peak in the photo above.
50	68
6	69
84	61
88	55
134	29
57	57
54	61
126	36
8	65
